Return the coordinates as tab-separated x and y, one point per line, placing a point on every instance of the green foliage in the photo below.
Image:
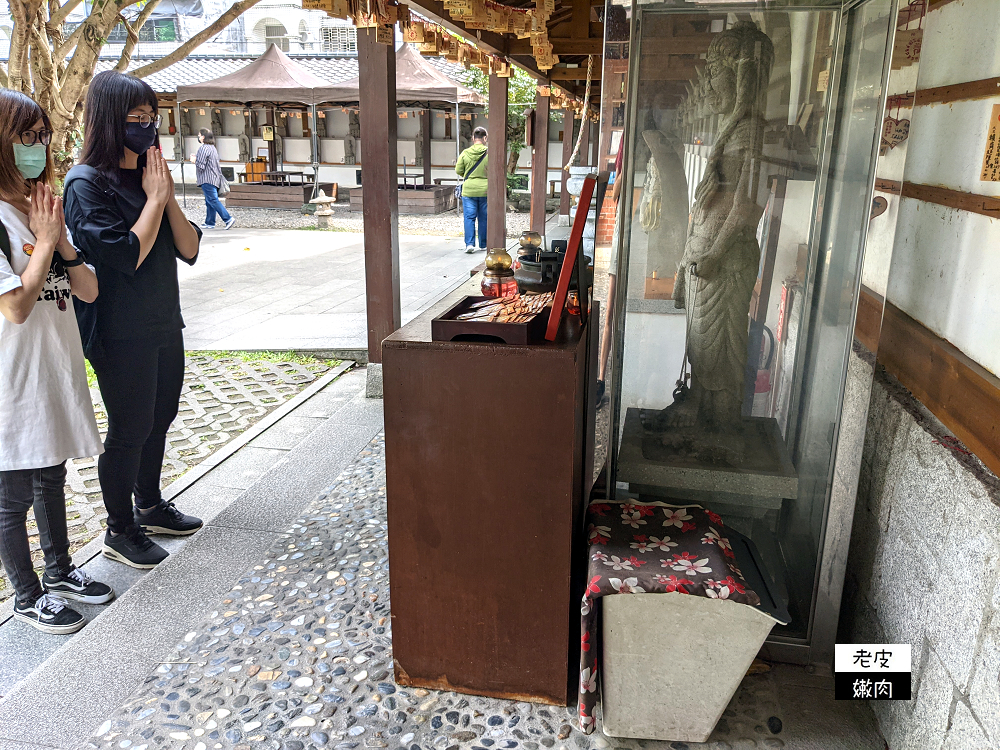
516	182
521	92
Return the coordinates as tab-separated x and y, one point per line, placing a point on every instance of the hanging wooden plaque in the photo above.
991	159
414	33
906	47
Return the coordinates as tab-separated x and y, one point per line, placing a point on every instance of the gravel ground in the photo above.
448	224
224	394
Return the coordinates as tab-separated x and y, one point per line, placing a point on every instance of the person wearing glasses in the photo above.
209	175
46	414
121	210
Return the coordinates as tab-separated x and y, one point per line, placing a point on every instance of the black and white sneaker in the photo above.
166	519
78	586
49	614
134	548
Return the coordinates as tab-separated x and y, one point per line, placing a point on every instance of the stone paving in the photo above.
288	289
223	395
449	223
298	656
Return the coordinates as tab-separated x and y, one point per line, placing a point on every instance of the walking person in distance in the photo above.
471	166
46	414
121	210
209	175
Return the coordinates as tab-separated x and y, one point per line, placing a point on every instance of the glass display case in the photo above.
751	140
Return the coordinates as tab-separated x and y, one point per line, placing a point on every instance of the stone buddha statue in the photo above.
718	270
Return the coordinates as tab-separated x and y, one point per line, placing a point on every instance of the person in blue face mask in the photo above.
46	414
121	210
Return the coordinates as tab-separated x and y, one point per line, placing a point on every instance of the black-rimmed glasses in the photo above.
146	120
31	137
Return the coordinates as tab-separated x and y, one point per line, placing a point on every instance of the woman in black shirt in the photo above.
121	210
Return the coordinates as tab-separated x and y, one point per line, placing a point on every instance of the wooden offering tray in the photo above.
518	320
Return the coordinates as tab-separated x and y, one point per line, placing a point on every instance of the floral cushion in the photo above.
651	548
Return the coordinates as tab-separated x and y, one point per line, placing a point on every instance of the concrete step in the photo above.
57	689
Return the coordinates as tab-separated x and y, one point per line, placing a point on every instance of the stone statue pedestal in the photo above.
765	477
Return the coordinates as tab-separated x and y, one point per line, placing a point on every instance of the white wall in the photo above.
945	266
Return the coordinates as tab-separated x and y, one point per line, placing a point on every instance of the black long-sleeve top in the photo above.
133	303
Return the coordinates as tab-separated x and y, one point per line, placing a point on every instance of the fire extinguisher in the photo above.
762	386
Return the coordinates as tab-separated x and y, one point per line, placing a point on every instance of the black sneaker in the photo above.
134	548
79	586
600	392
166	519
49	614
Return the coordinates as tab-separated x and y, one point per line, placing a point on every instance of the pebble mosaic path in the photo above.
297	656
222	397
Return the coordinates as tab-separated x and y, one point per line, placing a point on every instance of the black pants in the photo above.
19	491
141	383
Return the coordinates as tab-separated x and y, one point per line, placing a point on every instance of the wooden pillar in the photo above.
496	166
540	165
595	141
567	144
272	154
425	125
377	73
585	143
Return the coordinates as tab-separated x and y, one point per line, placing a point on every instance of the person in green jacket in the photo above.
474	189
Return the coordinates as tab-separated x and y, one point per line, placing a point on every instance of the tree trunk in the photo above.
515	154
56	69
133	35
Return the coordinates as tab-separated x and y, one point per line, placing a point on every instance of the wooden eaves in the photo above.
572	33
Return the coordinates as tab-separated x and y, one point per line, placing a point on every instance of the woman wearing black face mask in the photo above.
121	210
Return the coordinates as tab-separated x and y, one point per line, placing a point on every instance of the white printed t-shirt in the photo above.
46	413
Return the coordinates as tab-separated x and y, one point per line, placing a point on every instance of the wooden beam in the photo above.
974	203
568	140
434	10
488	41
540	164
565	29
677	45
961	393
984	88
377	78
574	74
666	68
560	46
580	24
888	186
496	166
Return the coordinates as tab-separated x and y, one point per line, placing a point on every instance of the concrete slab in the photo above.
314	296
13	745
205	500
362	410
275	501
288	433
324	404
246	467
57	697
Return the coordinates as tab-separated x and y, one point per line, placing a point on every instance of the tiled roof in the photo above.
201	68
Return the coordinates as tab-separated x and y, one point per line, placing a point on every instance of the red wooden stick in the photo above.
569	262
